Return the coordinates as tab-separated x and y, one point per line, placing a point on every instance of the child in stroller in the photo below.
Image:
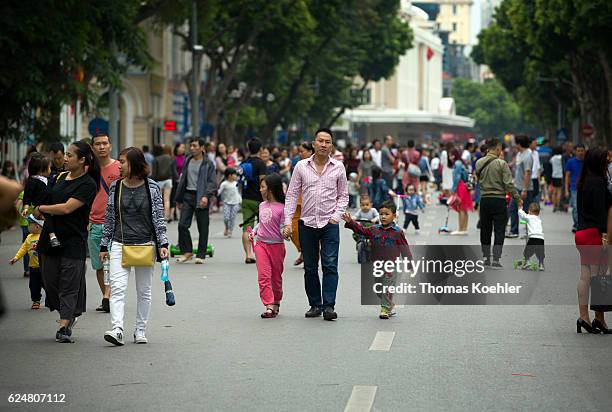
367	216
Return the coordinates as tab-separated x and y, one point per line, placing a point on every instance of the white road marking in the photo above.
382	341
362	399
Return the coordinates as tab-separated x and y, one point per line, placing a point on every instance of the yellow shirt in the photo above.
29	247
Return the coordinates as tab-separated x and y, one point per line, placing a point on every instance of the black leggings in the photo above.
534	247
409	217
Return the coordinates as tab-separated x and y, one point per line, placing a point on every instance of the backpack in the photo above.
245	174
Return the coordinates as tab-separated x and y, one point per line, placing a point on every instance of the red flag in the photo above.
430	54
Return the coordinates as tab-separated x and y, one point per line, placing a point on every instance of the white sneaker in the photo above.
198	261
417	231
184	258
114	336
139	336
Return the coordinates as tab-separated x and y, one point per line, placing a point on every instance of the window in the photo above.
454	9
454	26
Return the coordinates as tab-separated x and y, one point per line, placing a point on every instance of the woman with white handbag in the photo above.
135	229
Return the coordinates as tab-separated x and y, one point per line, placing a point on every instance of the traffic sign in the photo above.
587	130
562	135
97	125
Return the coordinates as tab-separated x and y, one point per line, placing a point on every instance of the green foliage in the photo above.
489	104
551	52
45	44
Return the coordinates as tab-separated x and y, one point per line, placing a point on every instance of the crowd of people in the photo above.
78	201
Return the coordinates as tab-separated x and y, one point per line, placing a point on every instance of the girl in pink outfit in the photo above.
269	247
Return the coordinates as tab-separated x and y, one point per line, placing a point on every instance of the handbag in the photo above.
414	170
601	286
134	255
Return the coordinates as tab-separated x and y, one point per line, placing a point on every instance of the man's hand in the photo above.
567	193
333	222
163	253
103	255
346	216
287	232
204	202
524	195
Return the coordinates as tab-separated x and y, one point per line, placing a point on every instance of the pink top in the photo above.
271	217
180	162
324	196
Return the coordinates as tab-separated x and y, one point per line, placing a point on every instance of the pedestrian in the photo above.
353	190
36	191
164	173
495	180
365	171
379	191
522	181
8	170
110	170
253	171
321	180
63	268
57	155
179	162
593	202
447	169
271	165
269	247
306	151
376	152
464	203
388	244
426	174
28	248
195	191
557	177
573	168
536	170
412	202
149	157
134	217
412	172
387	160
535	236
230	195
24	211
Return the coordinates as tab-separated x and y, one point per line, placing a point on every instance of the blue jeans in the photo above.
573	200
328	237
513	212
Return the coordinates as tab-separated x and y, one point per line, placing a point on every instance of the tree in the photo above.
57	51
490	105
554	52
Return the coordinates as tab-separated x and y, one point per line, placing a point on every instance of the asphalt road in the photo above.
212	351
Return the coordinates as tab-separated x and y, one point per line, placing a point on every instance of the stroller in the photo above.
362	244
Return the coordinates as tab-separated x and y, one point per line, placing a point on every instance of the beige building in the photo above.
454	17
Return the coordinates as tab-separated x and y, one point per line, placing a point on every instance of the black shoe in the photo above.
105	305
487	261
596	324
313	312
574	230
55	242
329	314
581	323
496	264
63	335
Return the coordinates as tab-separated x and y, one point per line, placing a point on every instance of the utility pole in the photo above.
196	49
113	121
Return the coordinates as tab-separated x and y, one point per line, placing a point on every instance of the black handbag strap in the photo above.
478	173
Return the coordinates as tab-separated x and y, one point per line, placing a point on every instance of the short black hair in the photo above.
37	164
410	143
579	145
57	147
324	130
492	143
388	204
145	148
201	142
99	134
229	171
254	145
522	140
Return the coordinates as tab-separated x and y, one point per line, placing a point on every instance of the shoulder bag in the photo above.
134	255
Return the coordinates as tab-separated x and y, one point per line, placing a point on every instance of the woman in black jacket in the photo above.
593	203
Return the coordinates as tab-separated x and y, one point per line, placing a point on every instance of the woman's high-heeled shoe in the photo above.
581	323
597	324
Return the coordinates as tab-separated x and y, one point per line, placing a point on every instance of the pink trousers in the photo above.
270	257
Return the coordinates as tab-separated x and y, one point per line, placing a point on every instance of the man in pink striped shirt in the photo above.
321	180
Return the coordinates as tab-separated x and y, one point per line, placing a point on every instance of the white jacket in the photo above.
534	225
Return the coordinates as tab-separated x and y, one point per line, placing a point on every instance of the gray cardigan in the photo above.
157	216
207	181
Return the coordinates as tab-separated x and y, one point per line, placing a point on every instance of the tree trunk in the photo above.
605	64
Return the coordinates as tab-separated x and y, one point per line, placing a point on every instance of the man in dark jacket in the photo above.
196	188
